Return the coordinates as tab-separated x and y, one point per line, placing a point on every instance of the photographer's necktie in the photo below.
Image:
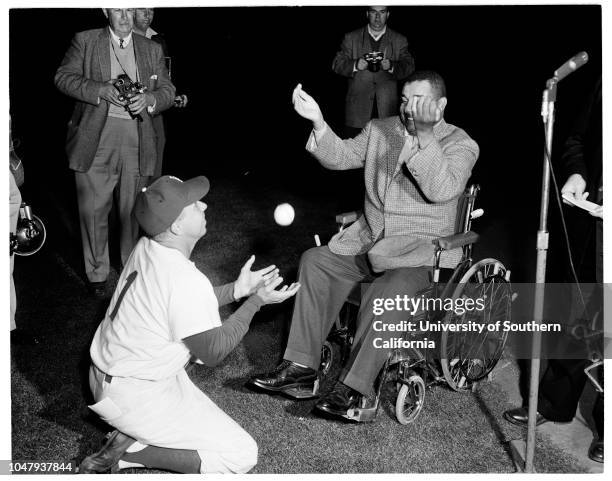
121	43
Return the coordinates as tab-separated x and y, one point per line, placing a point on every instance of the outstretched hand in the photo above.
307	107
270	295
250	281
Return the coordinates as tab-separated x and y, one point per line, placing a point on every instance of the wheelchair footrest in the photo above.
362	415
301	392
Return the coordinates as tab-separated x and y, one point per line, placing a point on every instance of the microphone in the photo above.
572	64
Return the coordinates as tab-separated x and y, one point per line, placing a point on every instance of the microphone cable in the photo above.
565	234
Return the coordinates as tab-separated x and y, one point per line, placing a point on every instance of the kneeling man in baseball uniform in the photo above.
165	311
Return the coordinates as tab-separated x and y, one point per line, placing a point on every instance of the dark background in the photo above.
238	65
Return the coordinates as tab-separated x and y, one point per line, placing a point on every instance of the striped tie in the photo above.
121	43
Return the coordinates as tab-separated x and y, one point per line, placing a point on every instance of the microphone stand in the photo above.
548	115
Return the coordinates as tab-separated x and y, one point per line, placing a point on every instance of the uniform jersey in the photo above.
168	300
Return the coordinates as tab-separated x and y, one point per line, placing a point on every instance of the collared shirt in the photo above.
376	35
126	40
150	32
412	147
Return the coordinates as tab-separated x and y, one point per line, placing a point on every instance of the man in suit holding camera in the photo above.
373	58
111	141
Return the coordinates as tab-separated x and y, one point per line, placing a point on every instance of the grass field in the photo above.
456	432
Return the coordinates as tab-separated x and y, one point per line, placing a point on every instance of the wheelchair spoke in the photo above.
467	357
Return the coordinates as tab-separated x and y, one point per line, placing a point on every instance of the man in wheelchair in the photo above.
416	168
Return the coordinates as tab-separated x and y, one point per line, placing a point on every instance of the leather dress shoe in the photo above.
287	375
108	457
339	400
596	451
519	416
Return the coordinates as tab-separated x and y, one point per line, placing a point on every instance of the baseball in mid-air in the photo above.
284	214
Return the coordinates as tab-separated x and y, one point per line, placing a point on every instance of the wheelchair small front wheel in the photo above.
466	356
327	358
410	399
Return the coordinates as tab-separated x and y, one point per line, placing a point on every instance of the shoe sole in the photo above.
339	415
291	390
327	410
510	419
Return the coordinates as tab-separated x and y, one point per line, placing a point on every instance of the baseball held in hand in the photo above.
284	214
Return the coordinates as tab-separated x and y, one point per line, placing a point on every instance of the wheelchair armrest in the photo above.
348	217
456	240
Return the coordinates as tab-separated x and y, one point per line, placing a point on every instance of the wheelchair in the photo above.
463	358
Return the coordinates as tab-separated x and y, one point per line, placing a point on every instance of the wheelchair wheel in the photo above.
410	399
467	357
327	358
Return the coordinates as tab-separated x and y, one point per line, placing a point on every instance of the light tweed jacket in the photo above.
411	194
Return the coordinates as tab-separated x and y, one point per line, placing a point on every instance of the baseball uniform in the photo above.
138	347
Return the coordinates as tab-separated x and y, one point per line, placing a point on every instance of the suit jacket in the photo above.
158	121
411	194
84	69
582	154
364	85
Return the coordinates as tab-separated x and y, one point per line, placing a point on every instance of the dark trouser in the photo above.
564	379
115	172
327	279
560	391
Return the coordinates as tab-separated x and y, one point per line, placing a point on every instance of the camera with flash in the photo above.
374	59
128	90
30	234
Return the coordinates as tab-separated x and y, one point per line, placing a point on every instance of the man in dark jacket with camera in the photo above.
374	58
111	141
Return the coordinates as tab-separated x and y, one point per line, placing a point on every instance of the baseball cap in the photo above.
158	205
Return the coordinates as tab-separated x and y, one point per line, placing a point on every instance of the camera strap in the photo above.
121	65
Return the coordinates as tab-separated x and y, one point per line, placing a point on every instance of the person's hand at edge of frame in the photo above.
574	186
598	212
